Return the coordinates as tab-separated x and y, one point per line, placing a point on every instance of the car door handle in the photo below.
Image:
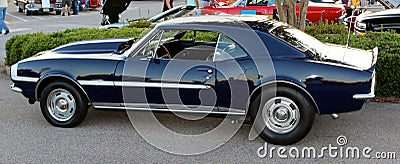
209	71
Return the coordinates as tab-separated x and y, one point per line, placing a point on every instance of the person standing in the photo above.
75	7
167	5
63	3
3	7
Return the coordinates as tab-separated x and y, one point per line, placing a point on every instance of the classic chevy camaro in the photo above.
249	66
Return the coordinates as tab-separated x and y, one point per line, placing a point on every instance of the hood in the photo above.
94	49
93	46
362	59
115	6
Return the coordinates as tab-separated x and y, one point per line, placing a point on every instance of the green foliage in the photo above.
141	23
325	28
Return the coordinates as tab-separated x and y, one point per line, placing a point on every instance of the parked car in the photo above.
217	64
379	21
91	4
316	11
174	12
350	20
38	6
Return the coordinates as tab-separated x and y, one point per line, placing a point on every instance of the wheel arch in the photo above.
44	81
257	91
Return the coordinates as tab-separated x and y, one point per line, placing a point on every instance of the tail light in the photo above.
52	1
38	1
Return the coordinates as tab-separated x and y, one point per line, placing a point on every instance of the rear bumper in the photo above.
369	95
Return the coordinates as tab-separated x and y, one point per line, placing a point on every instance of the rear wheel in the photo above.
284	117
62	105
58	12
20	10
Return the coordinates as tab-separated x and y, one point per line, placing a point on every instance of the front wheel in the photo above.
283	117
27	12
62	105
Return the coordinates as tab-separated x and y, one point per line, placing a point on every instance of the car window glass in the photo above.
150	48
187	45
228	49
258	2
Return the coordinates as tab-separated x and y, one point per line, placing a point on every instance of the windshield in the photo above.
298	39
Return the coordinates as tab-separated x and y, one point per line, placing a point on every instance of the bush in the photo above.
23	46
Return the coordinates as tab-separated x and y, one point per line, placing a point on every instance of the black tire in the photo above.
296	128
58	12
27	12
20	10
65	95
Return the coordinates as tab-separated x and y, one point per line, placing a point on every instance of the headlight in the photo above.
361	25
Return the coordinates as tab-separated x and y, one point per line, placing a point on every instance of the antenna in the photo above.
348	33
351	21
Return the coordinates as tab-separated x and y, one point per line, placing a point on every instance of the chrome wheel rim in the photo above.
281	115
61	104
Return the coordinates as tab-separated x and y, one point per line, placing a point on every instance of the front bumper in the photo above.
15	89
40	8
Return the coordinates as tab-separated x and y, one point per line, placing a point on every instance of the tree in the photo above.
287	13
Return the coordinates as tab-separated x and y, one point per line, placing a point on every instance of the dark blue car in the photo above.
249	66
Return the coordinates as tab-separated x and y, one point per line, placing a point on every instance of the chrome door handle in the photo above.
209	71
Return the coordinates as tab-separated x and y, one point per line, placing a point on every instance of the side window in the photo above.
150	48
228	49
187	45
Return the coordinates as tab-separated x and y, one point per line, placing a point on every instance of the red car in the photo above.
316	11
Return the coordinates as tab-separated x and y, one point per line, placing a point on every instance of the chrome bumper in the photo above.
15	89
369	95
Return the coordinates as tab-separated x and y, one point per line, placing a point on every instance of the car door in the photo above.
236	75
171	70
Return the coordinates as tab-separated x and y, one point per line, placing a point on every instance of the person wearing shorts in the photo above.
63	3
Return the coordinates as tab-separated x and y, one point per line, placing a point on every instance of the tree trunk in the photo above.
302	15
281	11
287	13
292	12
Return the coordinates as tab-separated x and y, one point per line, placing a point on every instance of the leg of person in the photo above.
63	3
3	24
1	20
69	7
